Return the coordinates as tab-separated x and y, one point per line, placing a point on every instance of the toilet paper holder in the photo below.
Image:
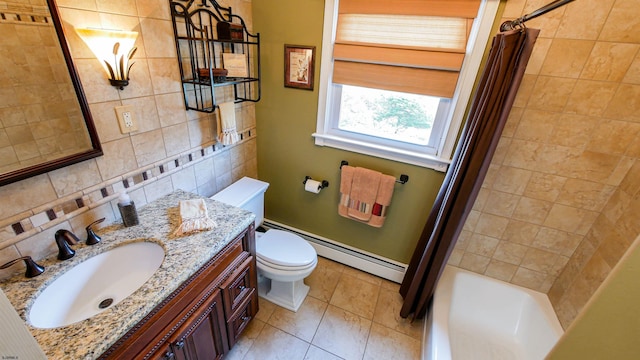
323	183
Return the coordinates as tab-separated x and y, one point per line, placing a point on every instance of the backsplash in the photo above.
172	149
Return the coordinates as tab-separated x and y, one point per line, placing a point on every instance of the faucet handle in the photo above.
33	269
92	237
64	238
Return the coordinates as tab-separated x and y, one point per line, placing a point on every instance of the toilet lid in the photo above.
284	248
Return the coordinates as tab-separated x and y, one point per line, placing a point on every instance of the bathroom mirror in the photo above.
45	122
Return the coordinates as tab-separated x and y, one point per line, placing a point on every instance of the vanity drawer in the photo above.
240	285
241	318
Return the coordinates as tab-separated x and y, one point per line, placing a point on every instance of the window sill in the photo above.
384	152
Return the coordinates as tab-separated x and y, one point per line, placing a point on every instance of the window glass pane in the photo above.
391	115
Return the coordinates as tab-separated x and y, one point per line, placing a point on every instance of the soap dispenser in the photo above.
127	210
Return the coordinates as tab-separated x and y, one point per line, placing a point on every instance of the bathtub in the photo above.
477	317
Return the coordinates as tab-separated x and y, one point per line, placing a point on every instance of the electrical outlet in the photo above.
126	119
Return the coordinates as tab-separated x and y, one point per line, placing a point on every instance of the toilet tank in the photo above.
246	193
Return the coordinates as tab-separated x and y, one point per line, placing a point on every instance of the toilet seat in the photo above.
271	265
284	251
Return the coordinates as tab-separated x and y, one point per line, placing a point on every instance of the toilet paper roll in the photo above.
313	186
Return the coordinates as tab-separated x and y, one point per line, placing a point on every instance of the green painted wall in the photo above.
286	118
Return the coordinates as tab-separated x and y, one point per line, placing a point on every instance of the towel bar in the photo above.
403	178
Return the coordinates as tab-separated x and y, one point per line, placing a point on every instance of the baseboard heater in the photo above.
347	255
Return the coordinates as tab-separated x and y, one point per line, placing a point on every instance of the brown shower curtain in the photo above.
494	96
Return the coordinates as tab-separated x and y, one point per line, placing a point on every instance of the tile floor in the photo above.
348	314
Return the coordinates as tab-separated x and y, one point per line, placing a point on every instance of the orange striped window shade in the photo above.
414	46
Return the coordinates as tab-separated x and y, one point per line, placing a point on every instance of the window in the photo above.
396	76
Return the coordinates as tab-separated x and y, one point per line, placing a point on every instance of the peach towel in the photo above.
383	200
364	190
365	195
346	178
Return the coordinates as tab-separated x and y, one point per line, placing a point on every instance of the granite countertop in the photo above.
89	338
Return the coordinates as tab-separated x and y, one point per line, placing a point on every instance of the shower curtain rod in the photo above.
513	24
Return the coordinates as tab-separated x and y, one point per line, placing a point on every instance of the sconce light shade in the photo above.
114	49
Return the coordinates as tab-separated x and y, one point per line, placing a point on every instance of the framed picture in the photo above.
298	66
235	64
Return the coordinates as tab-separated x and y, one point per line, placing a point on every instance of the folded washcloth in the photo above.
194	217
227	133
383	200
364	189
346	178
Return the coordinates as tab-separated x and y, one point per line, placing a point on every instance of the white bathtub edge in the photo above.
436	332
434	339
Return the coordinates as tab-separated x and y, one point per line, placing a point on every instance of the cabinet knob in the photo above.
180	344
241	287
169	355
245	318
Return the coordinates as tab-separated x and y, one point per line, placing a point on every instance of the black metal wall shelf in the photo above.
217	40
200	49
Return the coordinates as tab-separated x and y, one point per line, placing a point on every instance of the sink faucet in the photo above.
92	237
33	269
64	238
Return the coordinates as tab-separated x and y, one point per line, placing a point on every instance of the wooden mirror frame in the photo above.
96	148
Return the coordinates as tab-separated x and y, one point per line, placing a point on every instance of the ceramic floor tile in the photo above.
387	313
363	275
356	295
266	309
322	282
361	322
275	344
390	285
388	344
303	323
242	346
315	353
330	264
342	333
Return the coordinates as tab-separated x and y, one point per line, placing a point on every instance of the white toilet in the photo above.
284	259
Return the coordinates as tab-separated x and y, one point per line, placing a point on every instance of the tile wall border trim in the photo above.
68	207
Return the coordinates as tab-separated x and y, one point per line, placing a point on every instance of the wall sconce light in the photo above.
114	49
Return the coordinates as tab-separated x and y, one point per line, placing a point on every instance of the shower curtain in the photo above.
494	96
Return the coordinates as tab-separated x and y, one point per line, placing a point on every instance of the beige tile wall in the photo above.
172	149
559	205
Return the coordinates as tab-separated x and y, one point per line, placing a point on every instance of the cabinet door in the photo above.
203	335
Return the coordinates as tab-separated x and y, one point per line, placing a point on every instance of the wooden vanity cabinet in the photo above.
200	338
203	318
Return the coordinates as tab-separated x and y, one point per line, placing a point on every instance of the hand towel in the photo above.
364	189
346	177
194	217
227	133
383	200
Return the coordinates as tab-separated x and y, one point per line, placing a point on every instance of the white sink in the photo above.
96	284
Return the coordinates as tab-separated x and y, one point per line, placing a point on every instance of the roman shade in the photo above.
414	46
